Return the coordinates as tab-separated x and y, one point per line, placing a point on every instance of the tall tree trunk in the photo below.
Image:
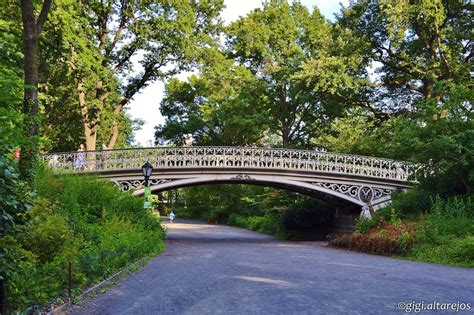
285	134
31	30
91	138
115	128
29	151
284	116
90	129
89	123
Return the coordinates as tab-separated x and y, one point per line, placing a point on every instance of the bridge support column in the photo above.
366	212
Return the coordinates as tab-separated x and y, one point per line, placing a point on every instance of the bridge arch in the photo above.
364	181
279	182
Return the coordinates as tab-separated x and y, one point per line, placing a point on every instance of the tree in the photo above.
164	35
440	137
260	71
215	108
32	26
273	43
422	52
13	130
413	47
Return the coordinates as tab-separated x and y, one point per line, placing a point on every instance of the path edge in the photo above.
62	309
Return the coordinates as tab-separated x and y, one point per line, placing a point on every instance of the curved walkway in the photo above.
209	269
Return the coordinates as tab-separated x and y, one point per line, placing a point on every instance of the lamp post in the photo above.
147	169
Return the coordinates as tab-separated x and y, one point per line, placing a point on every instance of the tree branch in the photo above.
43	15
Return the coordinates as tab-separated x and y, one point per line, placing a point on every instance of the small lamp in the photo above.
147	169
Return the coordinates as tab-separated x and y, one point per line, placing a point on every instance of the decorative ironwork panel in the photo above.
363	193
130	185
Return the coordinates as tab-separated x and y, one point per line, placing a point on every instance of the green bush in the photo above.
452	251
83	221
268	224
48	231
272	225
435	228
446	234
254	223
452	218
462	251
364	225
238	220
412	203
454	207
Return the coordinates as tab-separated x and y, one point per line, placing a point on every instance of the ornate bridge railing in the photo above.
231	158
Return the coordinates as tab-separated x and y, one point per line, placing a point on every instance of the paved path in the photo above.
208	269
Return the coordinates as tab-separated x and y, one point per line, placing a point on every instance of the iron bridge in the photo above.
365	181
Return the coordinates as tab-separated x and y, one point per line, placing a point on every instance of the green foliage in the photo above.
79	220
213	202
391	34
365	225
268	224
14	196
168	36
15	200
215	108
48	232
412	203
444	234
457	252
453	208
394	218
350	134
248	92
449	219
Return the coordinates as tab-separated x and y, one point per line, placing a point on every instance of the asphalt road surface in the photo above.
209	269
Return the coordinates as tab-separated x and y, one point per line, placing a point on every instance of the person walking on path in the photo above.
80	162
171	216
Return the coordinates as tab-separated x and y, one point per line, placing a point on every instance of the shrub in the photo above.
385	240
454	207
238	220
411	203
457	251
364	225
83	221
462	251
48	231
254	223
447	235
271	224
268	224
